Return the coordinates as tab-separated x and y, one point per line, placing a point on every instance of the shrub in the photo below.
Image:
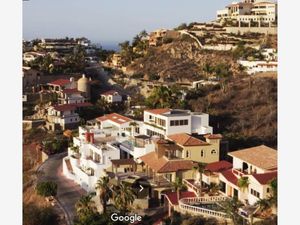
46	189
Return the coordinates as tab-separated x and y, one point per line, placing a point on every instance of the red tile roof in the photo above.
213	136
60	82
158	111
264	178
218	166
172	196
163	165
66	107
229	176
71	91
184	139
82	104
117	118
110	92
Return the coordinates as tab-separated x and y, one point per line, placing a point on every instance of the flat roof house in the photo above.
164	122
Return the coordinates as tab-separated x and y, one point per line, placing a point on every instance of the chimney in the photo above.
87	137
159	149
92	138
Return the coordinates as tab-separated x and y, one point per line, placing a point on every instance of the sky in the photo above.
110	22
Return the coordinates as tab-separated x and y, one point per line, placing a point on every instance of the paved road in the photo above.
68	192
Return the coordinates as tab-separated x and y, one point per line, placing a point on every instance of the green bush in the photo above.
46	189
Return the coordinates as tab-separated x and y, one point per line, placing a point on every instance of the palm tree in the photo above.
178	186
231	207
85	205
200	168
263	204
160	97
213	188
243	183
105	191
123	197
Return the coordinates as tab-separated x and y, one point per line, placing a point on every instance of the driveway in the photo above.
68	192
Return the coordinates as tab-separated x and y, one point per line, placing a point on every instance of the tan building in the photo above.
197	150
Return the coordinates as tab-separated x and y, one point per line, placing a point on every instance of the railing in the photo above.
185	204
193	187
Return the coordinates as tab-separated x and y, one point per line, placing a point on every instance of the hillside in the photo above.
181	61
246	113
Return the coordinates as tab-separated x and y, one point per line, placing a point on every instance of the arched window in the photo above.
202	153
187	154
213	151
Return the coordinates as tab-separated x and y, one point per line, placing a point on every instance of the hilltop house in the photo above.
259	11
61	84
164	122
62	117
258	165
111	96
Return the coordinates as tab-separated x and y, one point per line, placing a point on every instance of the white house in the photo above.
61	84
62	117
250	11
164	122
258	165
111	96
253	67
112	137
88	159
70	96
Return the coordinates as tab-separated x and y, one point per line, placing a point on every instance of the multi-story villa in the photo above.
129	139
62	117
111	96
70	96
250	11
258	165
164	122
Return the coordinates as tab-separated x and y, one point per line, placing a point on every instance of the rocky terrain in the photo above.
181	61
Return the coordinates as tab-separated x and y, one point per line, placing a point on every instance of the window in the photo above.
213	151
176	122
172	123
202	153
150	117
187	154
255	193
268	190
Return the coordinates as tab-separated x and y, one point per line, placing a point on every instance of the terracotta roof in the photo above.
213	136
260	156
118	162
66	107
153	161
176	165
172	196
184	139
117	118
264	178
229	176
82	104
158	111
71	91
110	92
163	165
218	166
60	82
